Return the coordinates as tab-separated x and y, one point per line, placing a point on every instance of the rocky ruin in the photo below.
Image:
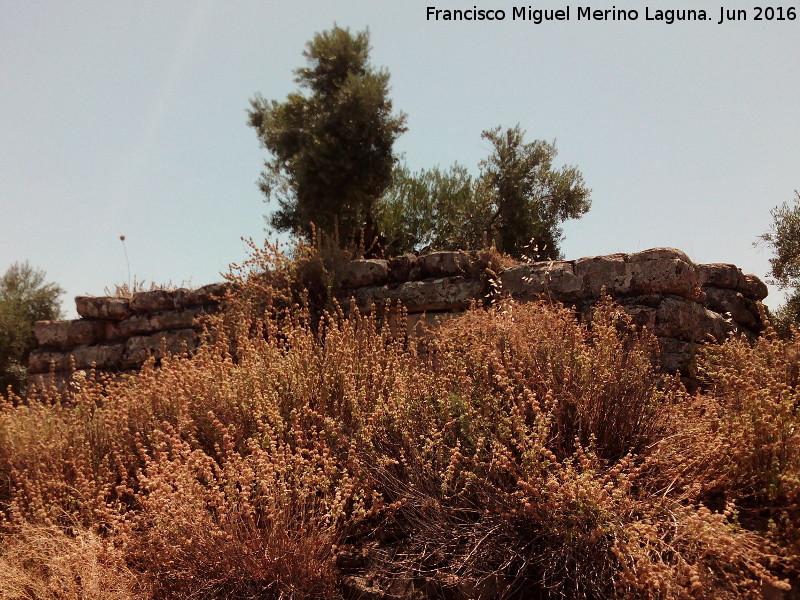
682	303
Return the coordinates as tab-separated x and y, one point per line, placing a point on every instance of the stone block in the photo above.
448	293
655	271
658	274
208	295
146	323
689	321
138	348
598	272
155	300
742	310
43	361
551	280
403	268
365	272
660	254
447	264
103	307
65	334
752	287
105	356
721	275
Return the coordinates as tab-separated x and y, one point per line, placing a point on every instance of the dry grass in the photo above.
515	452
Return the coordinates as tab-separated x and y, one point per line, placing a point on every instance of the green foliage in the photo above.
24	299
531	198
433	209
517	202
332	147
784	240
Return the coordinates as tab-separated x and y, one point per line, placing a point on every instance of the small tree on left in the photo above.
25	298
332	146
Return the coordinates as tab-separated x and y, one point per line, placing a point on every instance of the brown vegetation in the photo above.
512	453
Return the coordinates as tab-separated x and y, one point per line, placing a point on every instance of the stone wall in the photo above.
681	302
116	334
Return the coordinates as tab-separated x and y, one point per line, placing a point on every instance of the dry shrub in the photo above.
514	452
45	563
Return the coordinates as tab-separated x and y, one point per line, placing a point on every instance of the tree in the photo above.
530	198
784	238
518	202
24	299
433	210
332	147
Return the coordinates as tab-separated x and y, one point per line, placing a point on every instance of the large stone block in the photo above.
663	271
743	310
660	254
103	307
449	293
208	295
552	280
721	275
448	264
65	334
360	273
43	361
139	348
162	321
656	271
752	287
105	356
156	300
689	321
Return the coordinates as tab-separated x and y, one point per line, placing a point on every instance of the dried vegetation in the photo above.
307	453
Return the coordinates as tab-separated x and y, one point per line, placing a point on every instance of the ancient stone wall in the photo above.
117	334
681	302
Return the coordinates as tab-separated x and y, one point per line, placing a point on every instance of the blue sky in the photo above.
130	118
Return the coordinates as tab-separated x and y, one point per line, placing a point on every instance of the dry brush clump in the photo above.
514	452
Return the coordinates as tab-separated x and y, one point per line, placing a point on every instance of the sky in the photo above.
130	118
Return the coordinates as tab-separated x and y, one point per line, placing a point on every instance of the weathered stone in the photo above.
598	272
741	309
139	348
752	287
553	280
403	268
447	264
686	320
103	307
65	334
207	295
644	317
154	301
660	254
665	271
106	356
364	272
162	321
721	275
656	271
43	361
449	293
